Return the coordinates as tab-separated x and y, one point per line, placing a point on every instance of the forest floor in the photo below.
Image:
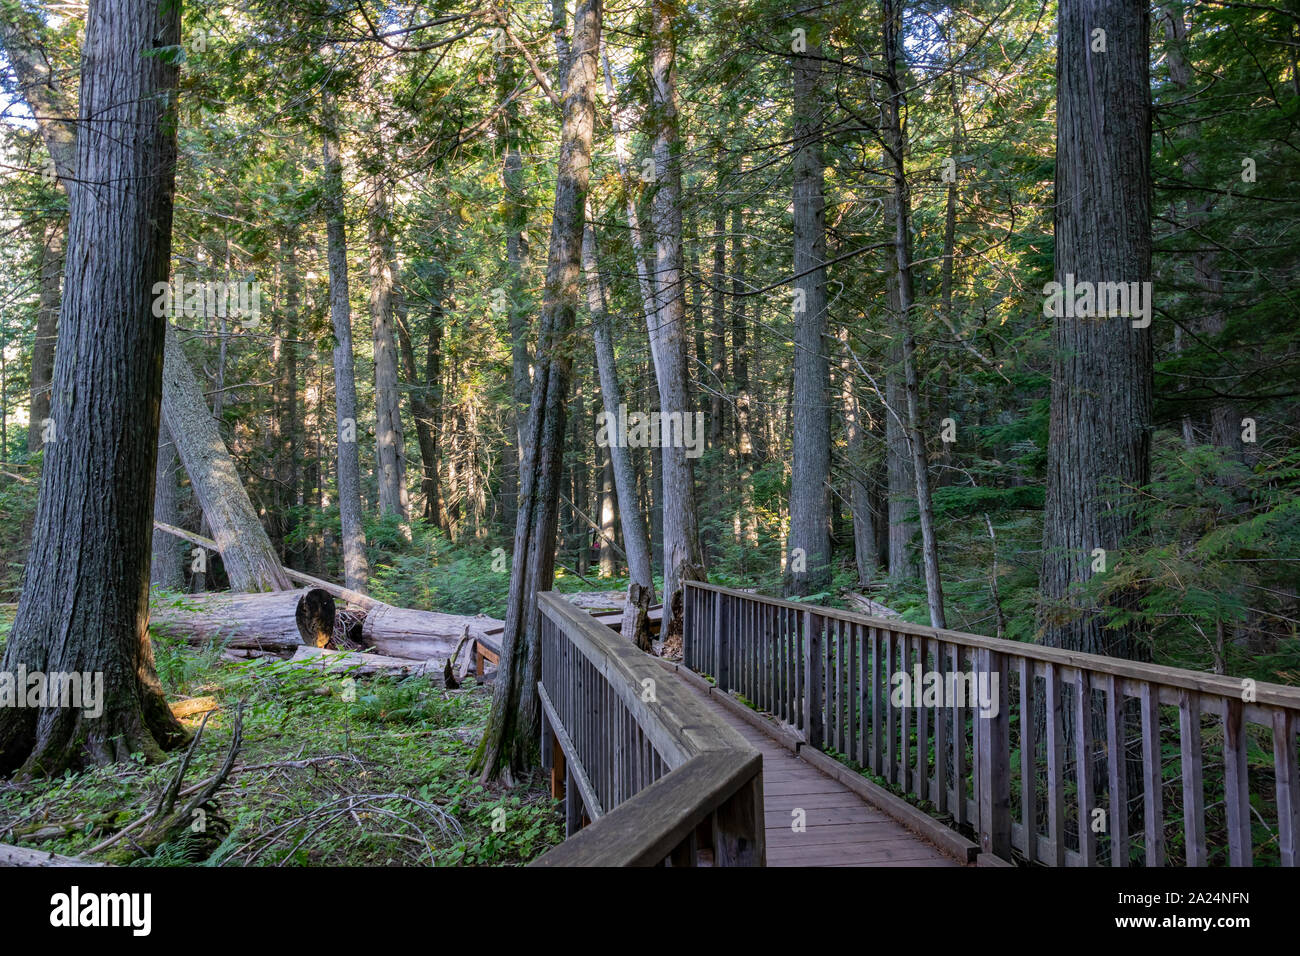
328	774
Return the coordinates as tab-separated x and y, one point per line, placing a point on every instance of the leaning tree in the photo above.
84	605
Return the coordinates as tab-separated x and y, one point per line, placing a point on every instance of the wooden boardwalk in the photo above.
842	828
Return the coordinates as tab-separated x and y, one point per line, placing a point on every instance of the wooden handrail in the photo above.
1266	693
647	773
1092	734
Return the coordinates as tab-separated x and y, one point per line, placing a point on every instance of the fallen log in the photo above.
597	600
282	621
359	664
21	856
860	602
264	621
420	635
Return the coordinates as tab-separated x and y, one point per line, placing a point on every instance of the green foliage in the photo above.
375	780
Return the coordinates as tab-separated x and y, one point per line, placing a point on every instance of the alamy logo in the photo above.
74	908
652	430
945	689
79	691
213	300
1086	300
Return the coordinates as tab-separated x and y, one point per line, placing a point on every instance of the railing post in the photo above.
813	671
739	832
688	626
721	647
993	764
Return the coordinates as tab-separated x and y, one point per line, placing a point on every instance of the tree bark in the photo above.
636	539
865	553
47	329
356	570
246	552
510	741
515	213
895	148
167	569
286	454
668	335
1101	367
424	413
808	563
84	605
389	444
608	508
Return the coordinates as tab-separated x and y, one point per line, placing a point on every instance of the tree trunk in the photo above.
608	509
167	569
510	741
47	328
668	335
425	414
356	570
389	445
515	212
718	331
865	553
808	564
246	552
84	605
636	539
286	455
895	148
901	487
1101	367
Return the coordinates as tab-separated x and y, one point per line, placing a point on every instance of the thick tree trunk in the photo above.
246	552
669	334
510	741
261	622
356	570
84	605
808	562
1101	367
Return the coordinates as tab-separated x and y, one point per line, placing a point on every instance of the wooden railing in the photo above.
647	774
1083	760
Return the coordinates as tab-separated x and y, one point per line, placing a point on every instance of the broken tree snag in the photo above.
265	622
636	614
419	635
246	551
315	616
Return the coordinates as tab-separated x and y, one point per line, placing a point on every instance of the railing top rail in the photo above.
1264	692
676	723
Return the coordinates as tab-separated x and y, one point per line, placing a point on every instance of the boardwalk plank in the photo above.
841	828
